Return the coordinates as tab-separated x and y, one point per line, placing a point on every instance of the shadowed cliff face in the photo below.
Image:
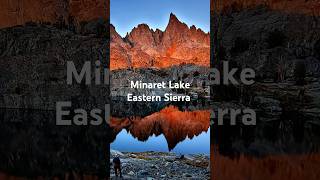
33	62
276	44
144	47
175	125
19	12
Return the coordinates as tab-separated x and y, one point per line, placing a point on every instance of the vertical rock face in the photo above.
34	67
145	47
176	30
118	50
21	11
142	36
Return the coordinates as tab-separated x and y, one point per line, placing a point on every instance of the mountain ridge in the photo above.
145	47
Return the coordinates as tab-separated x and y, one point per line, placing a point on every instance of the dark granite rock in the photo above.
34	67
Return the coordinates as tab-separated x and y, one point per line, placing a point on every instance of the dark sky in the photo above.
126	14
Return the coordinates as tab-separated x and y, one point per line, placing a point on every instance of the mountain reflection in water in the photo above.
171	124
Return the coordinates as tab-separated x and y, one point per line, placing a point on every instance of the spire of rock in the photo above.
175	25
173	17
174	20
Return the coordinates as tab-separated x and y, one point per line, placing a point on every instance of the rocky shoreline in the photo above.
161	165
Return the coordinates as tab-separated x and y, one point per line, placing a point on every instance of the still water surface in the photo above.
170	129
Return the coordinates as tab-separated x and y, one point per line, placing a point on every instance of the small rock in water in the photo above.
131	173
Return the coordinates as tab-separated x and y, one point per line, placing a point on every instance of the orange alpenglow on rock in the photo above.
14	13
145	47
187	124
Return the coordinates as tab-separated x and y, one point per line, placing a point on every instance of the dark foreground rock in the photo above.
161	165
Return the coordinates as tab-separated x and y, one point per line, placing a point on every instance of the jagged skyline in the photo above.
126	14
143	47
156	28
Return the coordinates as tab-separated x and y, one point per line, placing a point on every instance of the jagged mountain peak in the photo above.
143	26
113	30
175	23
112	26
158	30
193	27
141	29
175	45
173	18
